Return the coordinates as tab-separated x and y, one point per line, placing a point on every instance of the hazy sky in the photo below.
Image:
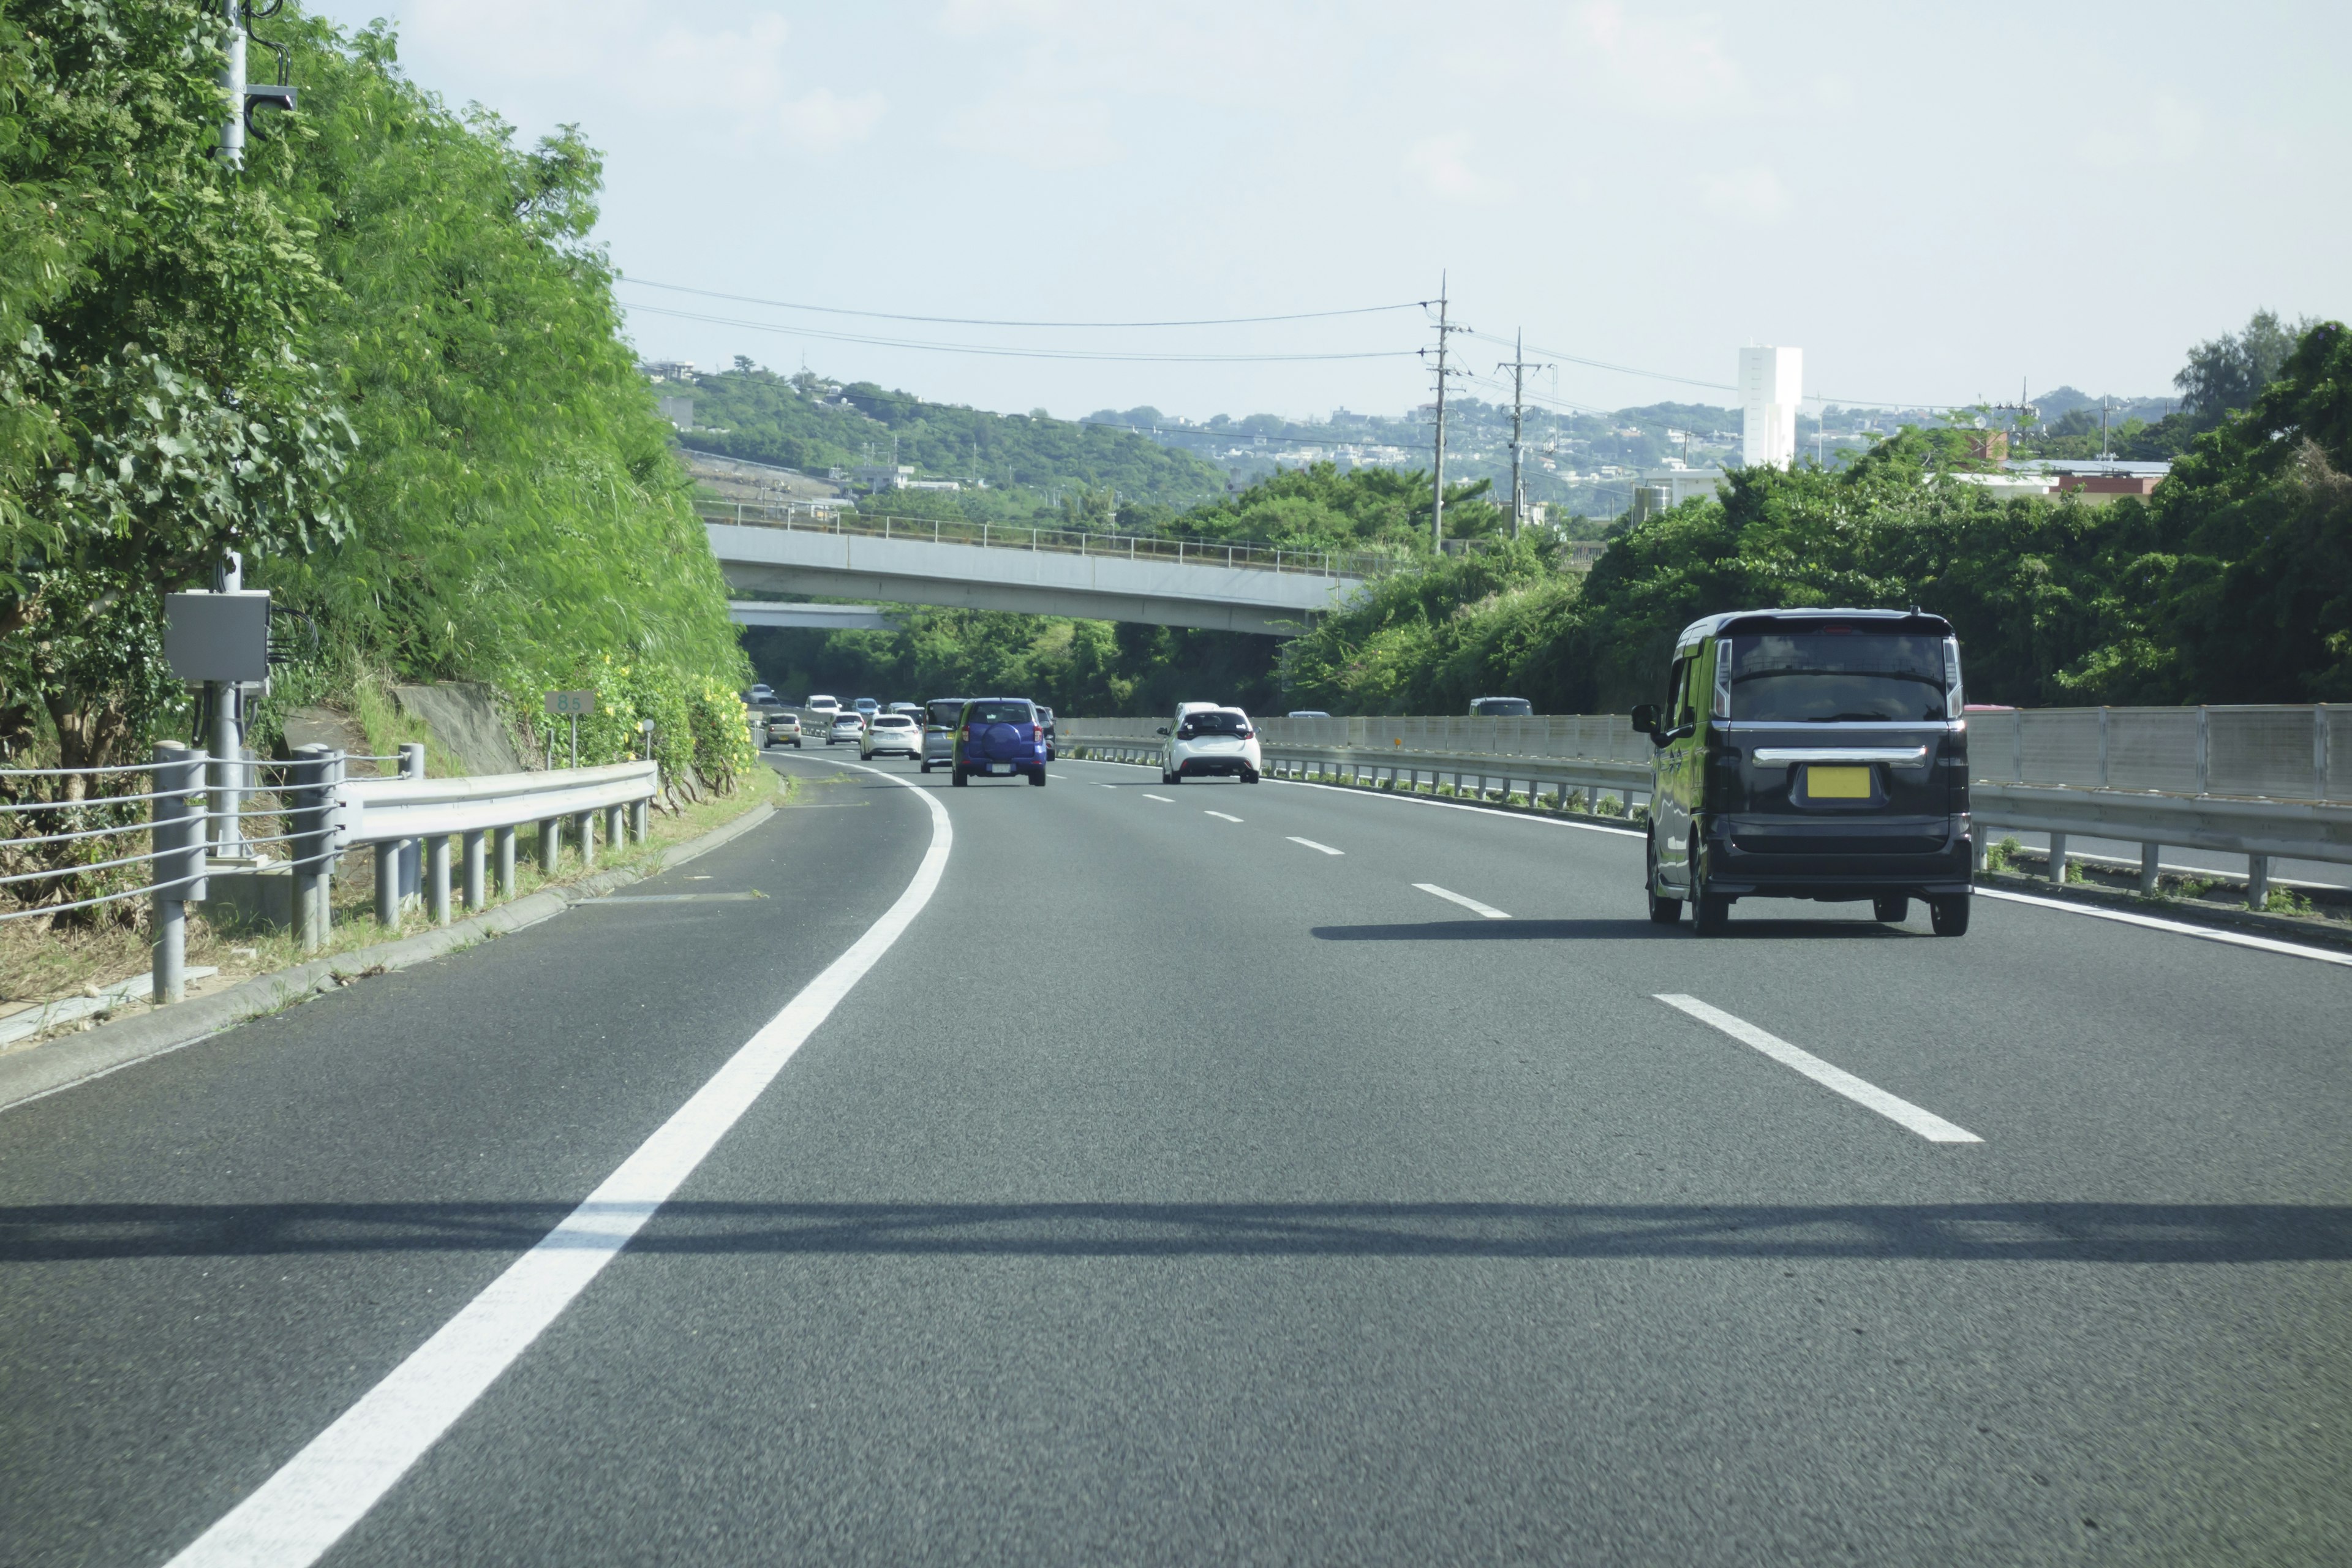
1932	202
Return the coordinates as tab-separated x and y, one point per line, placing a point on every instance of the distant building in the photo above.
679	411
667	369
884	475
1681	484
1990	445
1652	500
1771	385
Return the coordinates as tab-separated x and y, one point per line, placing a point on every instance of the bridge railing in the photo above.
803	519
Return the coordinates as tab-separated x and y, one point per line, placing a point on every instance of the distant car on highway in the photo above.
822	704
783	728
894	732
999	735
1307	713
849	725
761	694
1046	722
941	715
868	705
1501	706
1811	754
914	709
1205	741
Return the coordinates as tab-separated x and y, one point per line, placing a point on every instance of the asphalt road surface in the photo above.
1212	1173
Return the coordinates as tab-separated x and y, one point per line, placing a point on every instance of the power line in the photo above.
1004	350
985	321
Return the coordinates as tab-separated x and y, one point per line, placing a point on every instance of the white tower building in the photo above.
1771	385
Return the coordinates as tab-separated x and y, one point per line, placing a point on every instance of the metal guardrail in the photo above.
1059	541
322	813
2291	750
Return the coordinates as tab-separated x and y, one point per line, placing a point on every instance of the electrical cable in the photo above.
1001	351
986	322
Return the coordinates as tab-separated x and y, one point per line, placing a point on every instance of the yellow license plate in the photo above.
1837	784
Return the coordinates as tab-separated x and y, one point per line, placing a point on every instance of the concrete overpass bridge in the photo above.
1035	570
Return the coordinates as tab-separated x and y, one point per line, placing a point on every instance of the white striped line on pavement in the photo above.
1926	1124
1228	815
1312	845
1163	799
1473	905
2182	927
294	1517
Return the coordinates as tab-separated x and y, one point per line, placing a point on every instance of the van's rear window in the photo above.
946	715
1827	677
1000	713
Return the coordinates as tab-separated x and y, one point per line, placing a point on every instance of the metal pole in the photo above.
2147	868
615	825
313	788
585	823
178	839
1437	498
550	844
575	739
2258	880
478	893
411	878
506	837
641	825
387	885
2058	858
232	80
436	855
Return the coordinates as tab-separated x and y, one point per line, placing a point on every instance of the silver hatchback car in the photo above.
941	717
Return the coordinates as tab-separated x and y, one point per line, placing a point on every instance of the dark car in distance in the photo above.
1812	755
999	735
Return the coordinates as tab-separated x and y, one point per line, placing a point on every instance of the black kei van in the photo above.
1812	755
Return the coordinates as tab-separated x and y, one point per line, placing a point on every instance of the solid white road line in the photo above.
329	1486
1473	905
1163	799
1931	1127
2183	927
1228	815
1312	845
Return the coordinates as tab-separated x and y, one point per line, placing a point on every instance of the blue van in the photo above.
999	735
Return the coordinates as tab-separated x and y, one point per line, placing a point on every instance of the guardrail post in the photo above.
2058	858
2102	747
476	880
387	884
2258	880
2204	729
2148	866
412	883
550	844
585	824
506	837
615	828
308	818
436	855
641	826
178	837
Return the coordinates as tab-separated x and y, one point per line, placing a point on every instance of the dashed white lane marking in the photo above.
2182	927
1312	845
1926	1124
1106	787
1160	798
1058	775
299	1513
1228	815
1473	905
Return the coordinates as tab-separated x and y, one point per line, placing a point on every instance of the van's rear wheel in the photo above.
1038	778
1950	914
1893	911
1710	912
961	778
1663	911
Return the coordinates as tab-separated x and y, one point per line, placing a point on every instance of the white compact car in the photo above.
849	725
894	732
1208	742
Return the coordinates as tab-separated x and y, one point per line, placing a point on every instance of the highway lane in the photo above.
1176	1189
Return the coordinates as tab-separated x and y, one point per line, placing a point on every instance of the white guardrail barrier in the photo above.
311	807
2271	782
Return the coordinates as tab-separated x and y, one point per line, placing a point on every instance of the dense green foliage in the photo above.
2233	585
383	362
1318	507
800	422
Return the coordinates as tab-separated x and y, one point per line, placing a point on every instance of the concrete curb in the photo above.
46	1070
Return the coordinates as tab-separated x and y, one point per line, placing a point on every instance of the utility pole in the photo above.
1437	501
232	80
1519	366
2103	429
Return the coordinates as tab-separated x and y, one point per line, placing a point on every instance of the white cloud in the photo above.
2160	130
824	121
1675	65
1753	193
1442	164
1037	129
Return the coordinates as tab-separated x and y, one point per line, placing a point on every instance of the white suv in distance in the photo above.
1210	741
891	732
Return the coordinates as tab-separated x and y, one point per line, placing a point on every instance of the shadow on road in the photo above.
1953	1233
1617	930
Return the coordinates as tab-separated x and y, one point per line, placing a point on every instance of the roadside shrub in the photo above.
722	739
2286	901
2002	857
